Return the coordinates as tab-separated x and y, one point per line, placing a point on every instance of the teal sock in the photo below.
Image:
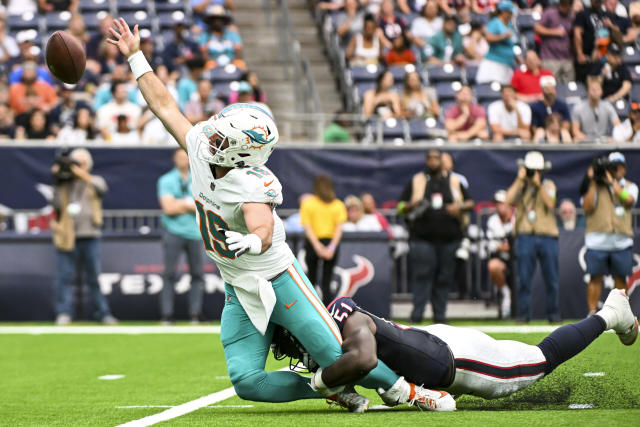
380	377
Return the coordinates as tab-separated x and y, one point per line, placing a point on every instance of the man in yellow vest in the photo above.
609	234
536	233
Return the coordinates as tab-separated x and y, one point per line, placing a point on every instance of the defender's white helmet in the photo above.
241	135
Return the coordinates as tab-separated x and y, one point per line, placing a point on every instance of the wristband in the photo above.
320	387
401	206
331	247
624	195
139	65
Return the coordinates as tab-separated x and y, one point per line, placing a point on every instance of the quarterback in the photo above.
235	197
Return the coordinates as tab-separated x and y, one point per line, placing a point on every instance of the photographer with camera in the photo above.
536	233
433	203
607	201
77	201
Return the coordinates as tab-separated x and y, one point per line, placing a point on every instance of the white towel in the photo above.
257	297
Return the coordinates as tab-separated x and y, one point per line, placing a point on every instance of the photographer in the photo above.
77	201
536	233
434	203
607	203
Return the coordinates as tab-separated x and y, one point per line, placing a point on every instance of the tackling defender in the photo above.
465	360
235	198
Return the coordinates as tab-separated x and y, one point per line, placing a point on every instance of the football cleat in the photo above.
618	316
350	400
431	400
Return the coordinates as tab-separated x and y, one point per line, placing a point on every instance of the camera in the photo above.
64	161
600	167
531	173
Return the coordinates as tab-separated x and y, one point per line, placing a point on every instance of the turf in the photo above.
53	380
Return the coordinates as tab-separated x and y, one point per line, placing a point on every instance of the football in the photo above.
65	57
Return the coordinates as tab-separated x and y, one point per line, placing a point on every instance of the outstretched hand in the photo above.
125	40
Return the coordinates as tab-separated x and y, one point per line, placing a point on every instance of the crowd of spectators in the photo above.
106	104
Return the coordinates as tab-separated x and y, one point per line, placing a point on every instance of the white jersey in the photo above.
219	205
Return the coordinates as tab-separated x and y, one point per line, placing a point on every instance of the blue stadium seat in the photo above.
93	5
225	74
57	20
444	107
634	95
363	87
170	19
222	90
525	21
470	74
481	18
391	128
529	39
92	19
140	17
425	128
169	5
447	90
398	71
364	74
25	21
487	92
635	73
630	56
445	73
572	93
130	5
622	108
32	33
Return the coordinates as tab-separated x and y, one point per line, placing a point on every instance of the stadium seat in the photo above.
447	90
487	92
170	19
227	73
525	21
635	73
470	74
362	88
634	95
622	108
130	5
480	18
445	73
140	17
92	19
25	21
571	92
399	71
169	5
57	20
630	56
222	90
425	128
364	74
93	5
391	129
528	39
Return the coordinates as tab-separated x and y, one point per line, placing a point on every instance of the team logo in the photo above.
259	135
353	278
634	280
271	194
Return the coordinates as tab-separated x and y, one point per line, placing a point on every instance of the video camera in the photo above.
600	167
64	161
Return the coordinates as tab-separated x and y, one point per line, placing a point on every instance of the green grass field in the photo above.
53	380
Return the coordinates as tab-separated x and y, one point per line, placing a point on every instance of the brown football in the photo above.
65	57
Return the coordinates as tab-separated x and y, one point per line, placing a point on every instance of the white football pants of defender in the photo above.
489	368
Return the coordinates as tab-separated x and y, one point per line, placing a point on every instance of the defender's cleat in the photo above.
350	400
431	400
618	316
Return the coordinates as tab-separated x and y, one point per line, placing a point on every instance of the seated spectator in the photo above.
188	85
483	7
629	130
29	81
549	104
109	57
427	24
401	53
337	129
391	25
365	48
7	125
78	29
107	115
97	39
445	47
57	5
357	220
410	7
382	101
619	19
370	208
200	8
148	49
554	30
120	74
593	119
509	117
8	46
465	120
527	83
418	101
257	94
244	93
553	132
475	45
349	21
329	5
37	127
500	236
63	114
203	104
497	64
125	133
613	75
634	30
220	44
80	130
153	131
180	50
568	217
460	8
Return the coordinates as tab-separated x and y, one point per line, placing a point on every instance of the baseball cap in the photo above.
506	5
547	81
535	160
500	196
617	157
244	87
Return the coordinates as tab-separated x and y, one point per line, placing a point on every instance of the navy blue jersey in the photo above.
420	357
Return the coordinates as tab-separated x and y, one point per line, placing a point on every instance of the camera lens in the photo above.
530	173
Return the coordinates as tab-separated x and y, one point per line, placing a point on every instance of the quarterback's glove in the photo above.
242	243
